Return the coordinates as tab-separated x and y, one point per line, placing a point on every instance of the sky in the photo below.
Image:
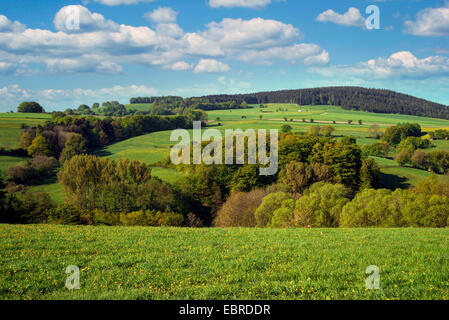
66	53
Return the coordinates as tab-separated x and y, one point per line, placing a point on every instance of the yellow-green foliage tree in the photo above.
271	203
321	206
26	139
40	146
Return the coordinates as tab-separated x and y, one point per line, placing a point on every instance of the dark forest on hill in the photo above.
349	98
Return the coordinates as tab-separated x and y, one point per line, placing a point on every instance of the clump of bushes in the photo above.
70	215
326	205
239	209
151	218
31	171
24	207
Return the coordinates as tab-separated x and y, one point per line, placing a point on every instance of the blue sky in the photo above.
64	53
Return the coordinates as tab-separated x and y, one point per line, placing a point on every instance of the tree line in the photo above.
325	205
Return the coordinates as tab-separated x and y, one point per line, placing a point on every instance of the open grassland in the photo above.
139	106
150	148
10	126
53	188
181	263
394	176
9	161
326	114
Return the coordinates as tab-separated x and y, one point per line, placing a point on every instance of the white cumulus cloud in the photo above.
351	18
7	25
430	22
76	18
179	66
60	99
252	4
103	46
162	15
211	66
400	65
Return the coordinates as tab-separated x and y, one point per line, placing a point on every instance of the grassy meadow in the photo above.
182	263
10	126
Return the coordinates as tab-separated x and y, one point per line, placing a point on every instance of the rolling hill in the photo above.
349	98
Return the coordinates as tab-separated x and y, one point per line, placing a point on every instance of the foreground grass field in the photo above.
174	263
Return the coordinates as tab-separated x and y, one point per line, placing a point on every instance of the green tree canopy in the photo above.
30	107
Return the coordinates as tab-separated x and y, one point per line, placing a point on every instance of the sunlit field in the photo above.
173	263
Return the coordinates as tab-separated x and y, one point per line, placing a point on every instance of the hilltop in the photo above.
349	98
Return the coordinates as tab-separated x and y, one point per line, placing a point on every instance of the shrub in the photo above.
25	207
151	218
403	157
286	128
75	145
21	174
379	149
283	217
66	214
45	165
239	209
369	174
271	203
374	208
40	146
31	171
438	213
248	177
100	217
321	206
113	186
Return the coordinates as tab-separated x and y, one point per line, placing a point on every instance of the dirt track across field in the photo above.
331	122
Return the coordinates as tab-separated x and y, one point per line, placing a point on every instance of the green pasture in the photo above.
394	176
139	106
10	126
9	161
183	263
326	114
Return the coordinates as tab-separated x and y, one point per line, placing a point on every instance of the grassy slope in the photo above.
159	263
394	176
10	126
9	161
139	106
326	113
